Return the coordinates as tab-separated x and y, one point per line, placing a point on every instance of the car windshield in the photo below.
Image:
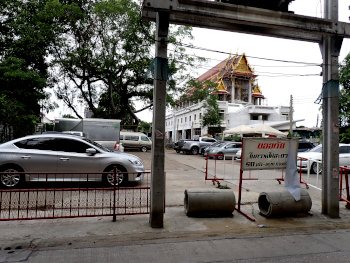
317	149
97	145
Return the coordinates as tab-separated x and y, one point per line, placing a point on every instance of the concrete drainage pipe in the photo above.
281	203
203	202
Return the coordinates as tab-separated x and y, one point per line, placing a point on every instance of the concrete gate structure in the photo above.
327	32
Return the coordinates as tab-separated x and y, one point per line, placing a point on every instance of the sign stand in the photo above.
270	153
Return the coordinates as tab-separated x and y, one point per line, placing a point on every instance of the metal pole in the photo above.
114	192
330	47
158	126
291	116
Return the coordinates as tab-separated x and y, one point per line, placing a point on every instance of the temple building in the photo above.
240	102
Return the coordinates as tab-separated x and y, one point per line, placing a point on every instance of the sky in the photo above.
277	80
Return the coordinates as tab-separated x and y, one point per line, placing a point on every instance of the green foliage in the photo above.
233	138
105	57
211	115
205	91
49	126
68	116
21	90
27	33
198	91
220	186
344	101
144	126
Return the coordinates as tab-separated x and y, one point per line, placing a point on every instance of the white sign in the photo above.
267	153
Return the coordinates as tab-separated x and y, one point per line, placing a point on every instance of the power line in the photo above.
227	53
254	65
264	74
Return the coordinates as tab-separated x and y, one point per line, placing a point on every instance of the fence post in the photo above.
114	194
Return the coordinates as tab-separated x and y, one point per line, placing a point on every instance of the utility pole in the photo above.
158	128
291	116
330	48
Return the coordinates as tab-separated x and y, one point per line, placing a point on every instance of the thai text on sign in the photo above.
267	153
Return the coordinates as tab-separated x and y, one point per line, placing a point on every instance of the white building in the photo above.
240	101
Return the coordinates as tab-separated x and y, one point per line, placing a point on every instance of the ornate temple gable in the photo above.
256	89
242	66
221	86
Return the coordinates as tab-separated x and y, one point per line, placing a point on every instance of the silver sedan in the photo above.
65	155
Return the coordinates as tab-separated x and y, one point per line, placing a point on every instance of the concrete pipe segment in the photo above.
283	203
204	202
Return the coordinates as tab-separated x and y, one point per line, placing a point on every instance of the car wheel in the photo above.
314	168
195	150
178	151
143	149
12	179
122	177
220	157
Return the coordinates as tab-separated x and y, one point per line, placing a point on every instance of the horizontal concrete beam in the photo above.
236	18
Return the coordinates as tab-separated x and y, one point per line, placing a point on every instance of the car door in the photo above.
231	149
344	155
75	163
37	155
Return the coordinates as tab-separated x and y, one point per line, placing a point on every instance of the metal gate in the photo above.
73	198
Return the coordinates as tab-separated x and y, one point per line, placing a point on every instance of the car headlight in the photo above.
135	162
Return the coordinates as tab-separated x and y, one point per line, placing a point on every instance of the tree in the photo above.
19	108
145	127
27	32
206	92
344	101
104	55
211	117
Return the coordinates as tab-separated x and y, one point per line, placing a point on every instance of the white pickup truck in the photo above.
193	146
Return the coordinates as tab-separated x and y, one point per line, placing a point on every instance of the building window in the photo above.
259	117
195	117
185	119
190	118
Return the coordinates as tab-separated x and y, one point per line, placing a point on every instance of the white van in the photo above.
135	140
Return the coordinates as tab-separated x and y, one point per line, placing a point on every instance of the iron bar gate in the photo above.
80	197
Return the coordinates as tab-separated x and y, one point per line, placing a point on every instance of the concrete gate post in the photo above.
158	125
330	48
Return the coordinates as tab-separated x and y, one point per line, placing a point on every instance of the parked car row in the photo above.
223	149
194	146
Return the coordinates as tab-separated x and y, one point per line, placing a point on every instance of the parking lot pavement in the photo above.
182	172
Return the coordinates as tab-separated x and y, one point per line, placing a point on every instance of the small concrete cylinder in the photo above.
204	202
279	203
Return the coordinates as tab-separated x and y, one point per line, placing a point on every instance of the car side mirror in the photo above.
90	151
